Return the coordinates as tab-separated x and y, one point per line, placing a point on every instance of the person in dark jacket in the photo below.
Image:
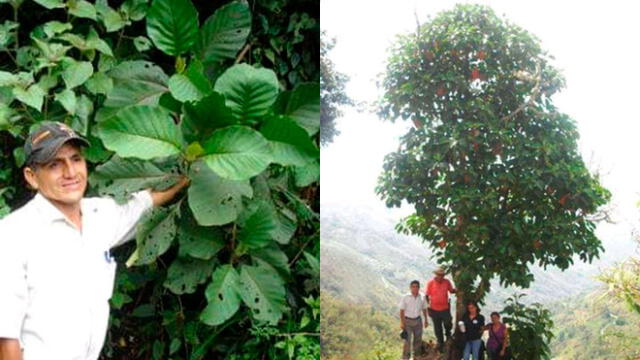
473	326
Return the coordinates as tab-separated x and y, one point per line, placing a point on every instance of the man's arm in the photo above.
162	197
10	349
402	319
426	318
451	288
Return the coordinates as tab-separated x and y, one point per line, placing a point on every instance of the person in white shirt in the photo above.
56	272
413	308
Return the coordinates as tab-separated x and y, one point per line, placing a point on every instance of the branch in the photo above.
534	94
242	53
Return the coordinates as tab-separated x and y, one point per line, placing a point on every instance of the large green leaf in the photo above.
82	8
172	25
185	274
307	174
302	104
154	235
205	116
136	83
222	295
290	143
274	256
183	89
262	290
200	242
76	73
257	229
249	91
33	96
67	98
213	199
144	132
237	152
120	177
224	32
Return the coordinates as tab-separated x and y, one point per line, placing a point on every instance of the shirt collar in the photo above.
49	212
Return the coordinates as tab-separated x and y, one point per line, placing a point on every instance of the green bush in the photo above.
227	94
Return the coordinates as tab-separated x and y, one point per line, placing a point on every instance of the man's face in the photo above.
415	289
439	278
63	180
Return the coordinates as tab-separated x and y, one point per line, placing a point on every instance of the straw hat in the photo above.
439	271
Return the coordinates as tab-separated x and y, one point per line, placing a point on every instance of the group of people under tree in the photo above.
415	310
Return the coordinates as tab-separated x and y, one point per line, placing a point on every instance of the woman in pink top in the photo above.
498	336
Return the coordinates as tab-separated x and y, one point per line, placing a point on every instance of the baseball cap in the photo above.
43	143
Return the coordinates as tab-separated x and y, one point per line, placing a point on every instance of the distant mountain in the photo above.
365	261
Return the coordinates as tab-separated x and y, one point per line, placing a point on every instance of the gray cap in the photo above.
43	143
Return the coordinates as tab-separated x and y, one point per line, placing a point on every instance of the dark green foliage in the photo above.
332	92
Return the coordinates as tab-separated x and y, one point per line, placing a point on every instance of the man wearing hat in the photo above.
437	294
56	272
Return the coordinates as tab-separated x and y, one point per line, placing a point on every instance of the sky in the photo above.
595	45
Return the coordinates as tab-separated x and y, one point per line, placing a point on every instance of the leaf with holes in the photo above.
256	232
185	274
213	199
237	152
172	25
136	83
249	92
120	177
222	295
198	241
262	290
144	132
302	104
224	33
290	143
154	234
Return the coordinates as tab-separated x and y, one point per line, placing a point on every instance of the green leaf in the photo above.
50	4
55	27
262	290
307	174
77	73
215	200
142	43
185	274
34	96
112	19
183	89
290	143
144	132
82	9
84	109
200	242
205	116
99	83
302	104
249	91
237	152
154	235
120	177
136	83
285	228
172	25
274	256
222	295
224	33
94	42
68	100
8	79
256	230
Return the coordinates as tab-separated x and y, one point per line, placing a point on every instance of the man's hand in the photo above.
402	326
162	197
502	352
426	324
10	349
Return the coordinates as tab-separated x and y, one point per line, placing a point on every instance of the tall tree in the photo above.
492	167
332	91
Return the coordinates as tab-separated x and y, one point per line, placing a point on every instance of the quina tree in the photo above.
491	166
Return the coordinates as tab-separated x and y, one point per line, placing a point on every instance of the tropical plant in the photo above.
529	329
491	167
162	90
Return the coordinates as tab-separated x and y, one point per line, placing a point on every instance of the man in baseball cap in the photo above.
56	271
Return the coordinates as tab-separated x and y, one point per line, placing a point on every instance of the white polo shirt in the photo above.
55	282
413	305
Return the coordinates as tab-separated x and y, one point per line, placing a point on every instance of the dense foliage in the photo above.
226	94
491	167
529	329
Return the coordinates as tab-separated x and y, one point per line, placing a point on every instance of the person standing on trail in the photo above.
473	329
56	271
412	307
437	294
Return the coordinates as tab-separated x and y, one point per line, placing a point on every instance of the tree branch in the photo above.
534	94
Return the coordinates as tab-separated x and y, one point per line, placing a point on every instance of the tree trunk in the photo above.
453	349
